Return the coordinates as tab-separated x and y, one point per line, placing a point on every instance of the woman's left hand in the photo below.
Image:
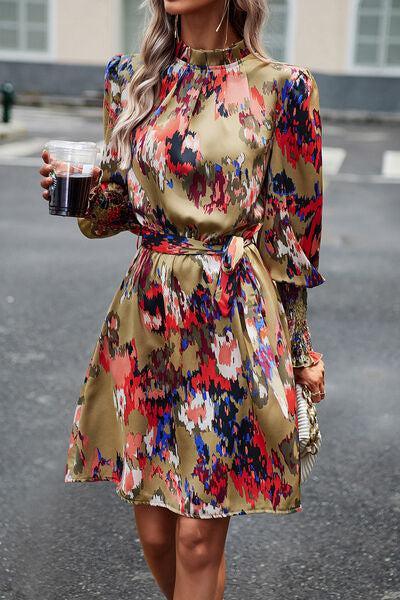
314	378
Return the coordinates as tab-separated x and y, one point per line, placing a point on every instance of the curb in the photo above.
358	116
87	99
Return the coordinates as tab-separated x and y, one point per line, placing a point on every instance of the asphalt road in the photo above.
78	541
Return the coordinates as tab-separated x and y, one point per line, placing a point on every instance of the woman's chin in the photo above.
186	7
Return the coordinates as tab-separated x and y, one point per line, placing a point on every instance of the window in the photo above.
277	29
132	24
377	40
24	26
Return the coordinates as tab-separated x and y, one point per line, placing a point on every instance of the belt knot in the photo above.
231	252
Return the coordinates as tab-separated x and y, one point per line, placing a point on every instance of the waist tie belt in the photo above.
236	278
231	252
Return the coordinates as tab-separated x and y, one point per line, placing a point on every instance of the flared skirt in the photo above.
183	408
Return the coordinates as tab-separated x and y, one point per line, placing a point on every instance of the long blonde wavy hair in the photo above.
156	53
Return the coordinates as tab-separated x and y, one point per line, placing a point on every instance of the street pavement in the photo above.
78	541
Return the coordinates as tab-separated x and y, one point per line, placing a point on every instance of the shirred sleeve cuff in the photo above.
294	300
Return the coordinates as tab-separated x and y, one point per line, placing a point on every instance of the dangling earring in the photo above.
176	27
226	12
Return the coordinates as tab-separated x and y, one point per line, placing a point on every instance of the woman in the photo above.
212	156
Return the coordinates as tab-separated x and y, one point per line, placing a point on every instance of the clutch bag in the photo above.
308	428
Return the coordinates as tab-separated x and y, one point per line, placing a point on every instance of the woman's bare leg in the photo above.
156	528
200	568
219	594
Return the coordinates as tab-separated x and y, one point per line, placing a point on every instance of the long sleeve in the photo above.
289	241
109	210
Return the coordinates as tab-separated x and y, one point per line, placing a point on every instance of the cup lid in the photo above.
70	145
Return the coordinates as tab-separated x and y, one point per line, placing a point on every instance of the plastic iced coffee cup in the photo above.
73	164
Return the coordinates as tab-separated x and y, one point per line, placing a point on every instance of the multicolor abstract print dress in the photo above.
188	401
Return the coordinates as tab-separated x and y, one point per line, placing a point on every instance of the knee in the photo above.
195	550
156	544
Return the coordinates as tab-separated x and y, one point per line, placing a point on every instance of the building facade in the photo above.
346	43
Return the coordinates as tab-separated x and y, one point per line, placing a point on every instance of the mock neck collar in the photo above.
209	58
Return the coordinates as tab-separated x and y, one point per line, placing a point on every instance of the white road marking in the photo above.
360	178
16	154
391	164
28	161
19	154
13	150
332	159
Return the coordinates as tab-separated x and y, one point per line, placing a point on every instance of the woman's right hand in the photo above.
48	167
